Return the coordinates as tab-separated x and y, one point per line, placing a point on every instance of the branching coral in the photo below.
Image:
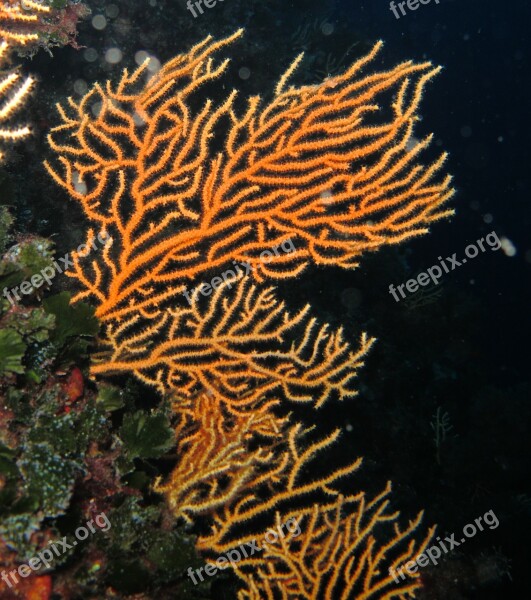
312	165
322	166
336	554
19	21
315	165
249	469
238	345
14	91
219	454
28	25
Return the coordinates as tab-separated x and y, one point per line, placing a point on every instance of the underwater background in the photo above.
443	408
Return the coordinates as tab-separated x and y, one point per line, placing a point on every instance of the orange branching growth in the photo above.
336	556
14	91
186	188
249	469
237	344
323	165
18	19
219	456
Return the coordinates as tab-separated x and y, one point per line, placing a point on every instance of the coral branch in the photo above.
19	20
235	342
335	554
14	91
218	454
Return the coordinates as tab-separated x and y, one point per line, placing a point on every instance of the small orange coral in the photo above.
337	555
244	470
18	20
14	91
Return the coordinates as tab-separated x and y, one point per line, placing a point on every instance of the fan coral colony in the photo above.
323	166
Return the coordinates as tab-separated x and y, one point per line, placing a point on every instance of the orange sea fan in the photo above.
322	165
